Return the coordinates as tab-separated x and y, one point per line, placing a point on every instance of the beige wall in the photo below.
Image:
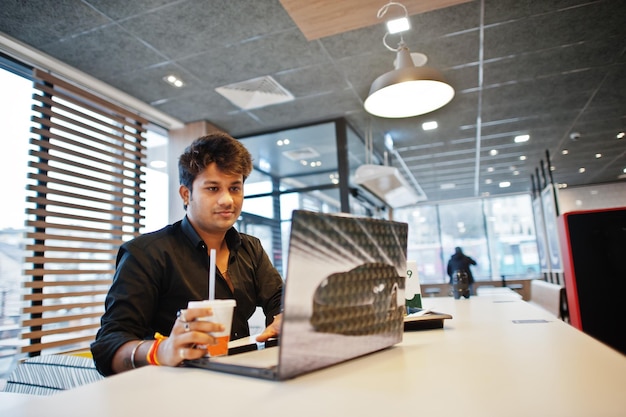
179	140
592	197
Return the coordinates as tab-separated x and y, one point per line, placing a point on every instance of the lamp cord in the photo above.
382	12
401	44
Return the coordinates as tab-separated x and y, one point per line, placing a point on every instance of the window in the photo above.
497	232
511	233
86	186
15	113
77	207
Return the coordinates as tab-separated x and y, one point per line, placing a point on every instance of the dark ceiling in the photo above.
552	69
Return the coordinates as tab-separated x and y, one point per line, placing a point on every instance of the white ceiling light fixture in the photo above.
395	25
173	80
429	125
387	182
398	25
408	90
521	138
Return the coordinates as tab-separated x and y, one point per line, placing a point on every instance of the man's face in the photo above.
215	201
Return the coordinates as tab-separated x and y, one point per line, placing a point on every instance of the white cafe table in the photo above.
496	357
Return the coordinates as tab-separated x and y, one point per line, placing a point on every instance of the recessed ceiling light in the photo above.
581	170
488	181
552	168
620	135
504	184
562	185
282	142
493	152
173	80
515	172
564	151
490	169
521	138
522	158
447	186
430	125
598	155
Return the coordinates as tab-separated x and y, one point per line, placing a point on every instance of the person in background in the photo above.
460	263
158	273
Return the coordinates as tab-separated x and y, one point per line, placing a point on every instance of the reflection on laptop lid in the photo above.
343	295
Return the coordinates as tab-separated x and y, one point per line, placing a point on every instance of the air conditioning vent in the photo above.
301	154
255	93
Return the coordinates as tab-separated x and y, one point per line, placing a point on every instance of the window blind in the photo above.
85	199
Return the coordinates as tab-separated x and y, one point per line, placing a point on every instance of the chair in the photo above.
50	374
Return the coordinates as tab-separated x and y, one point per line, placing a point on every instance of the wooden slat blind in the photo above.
85	199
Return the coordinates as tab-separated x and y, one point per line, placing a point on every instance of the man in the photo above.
460	263
158	273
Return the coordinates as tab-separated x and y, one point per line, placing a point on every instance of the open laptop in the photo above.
343	296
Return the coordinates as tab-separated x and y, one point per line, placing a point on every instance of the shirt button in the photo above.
236	334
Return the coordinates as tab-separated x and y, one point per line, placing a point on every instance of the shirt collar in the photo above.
233	238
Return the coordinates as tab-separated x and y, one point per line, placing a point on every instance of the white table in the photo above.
481	364
485	291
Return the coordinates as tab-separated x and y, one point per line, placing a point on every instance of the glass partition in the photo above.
296	168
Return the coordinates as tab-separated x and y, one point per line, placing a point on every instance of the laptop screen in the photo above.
344	292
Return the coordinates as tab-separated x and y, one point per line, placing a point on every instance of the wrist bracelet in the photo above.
151	357
132	354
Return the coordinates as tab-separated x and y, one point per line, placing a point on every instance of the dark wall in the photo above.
594	254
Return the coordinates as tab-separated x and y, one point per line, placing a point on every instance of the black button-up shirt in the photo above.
159	273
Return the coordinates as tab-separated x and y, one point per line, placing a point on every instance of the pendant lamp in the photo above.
408	90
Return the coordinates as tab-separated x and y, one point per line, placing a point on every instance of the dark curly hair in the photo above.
227	152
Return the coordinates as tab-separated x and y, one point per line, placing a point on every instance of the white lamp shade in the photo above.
408	90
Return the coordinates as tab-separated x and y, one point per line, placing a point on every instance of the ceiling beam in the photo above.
318	19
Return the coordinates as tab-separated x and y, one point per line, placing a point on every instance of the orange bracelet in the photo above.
151	357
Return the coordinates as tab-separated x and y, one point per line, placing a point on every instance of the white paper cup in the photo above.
222	314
